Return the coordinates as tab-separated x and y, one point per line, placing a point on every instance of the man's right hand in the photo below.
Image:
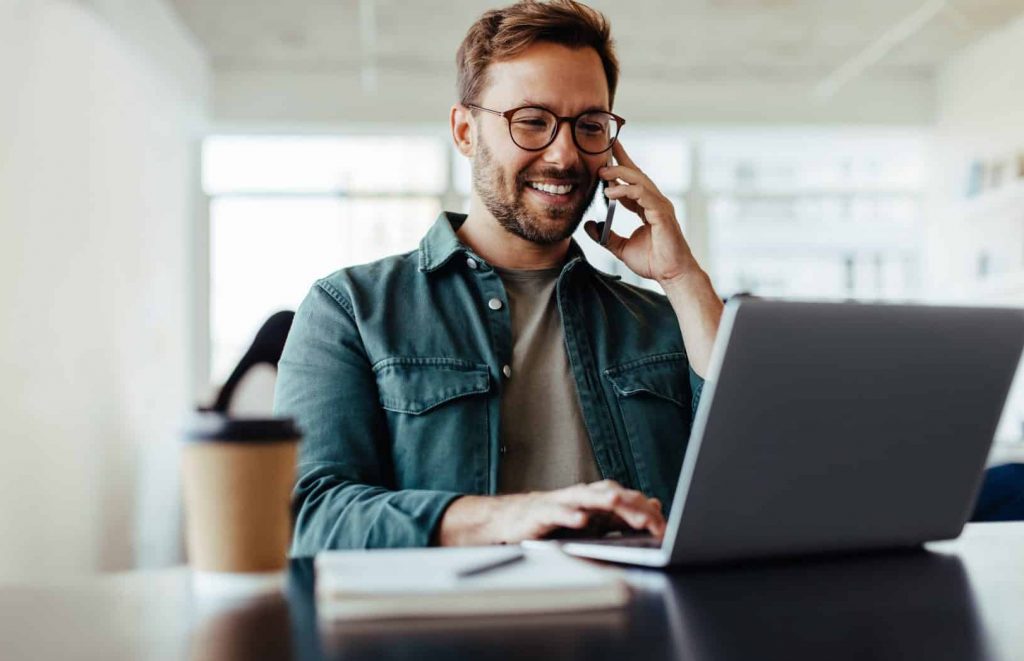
603	506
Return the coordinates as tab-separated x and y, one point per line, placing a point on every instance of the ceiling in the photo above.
686	39
307	63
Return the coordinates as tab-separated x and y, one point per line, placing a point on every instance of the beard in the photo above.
504	199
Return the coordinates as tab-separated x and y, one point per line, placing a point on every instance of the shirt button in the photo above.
504	449
494	304
471	263
507	371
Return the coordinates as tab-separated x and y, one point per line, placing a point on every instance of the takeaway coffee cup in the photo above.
237	476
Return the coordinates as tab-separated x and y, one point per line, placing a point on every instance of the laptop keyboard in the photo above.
641	542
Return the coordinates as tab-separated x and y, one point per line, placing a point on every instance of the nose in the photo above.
562	152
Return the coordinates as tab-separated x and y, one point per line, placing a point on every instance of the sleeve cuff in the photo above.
696	388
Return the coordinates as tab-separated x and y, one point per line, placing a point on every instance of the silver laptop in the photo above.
827	427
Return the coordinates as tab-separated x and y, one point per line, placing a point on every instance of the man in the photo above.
492	386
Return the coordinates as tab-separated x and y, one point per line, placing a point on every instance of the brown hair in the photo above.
501	34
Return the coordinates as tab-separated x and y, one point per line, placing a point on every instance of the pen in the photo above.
485	567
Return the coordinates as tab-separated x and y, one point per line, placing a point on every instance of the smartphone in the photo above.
606	230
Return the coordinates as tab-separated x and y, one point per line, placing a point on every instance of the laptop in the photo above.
834	427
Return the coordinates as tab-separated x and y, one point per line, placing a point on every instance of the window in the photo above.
815	213
352	165
267	252
285	211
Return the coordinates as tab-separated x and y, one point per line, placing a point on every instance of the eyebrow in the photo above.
531	102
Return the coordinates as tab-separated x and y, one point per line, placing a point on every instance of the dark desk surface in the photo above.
961	600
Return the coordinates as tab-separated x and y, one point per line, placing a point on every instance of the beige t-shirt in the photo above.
544	441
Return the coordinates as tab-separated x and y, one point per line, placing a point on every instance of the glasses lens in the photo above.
595	131
532	128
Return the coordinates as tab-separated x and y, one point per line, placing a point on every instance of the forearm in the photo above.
334	513
699	311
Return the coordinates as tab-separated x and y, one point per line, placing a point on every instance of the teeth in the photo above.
554	190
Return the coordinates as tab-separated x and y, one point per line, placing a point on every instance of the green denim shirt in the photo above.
394	372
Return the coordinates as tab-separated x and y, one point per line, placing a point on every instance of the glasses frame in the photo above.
507	115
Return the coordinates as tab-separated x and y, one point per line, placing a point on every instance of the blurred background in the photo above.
172	172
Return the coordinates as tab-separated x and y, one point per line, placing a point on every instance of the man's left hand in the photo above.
656	249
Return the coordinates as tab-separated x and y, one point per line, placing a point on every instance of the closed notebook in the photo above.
393	583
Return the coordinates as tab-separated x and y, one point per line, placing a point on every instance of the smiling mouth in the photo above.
552	189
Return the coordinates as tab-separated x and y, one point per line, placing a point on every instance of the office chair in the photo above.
265	350
1002	494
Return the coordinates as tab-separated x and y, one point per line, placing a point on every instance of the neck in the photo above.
482	232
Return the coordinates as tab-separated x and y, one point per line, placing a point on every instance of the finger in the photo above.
616	242
611	522
578	493
647	514
637	510
631	199
638	192
613	173
552	516
565	516
631	505
619	152
633	207
640	197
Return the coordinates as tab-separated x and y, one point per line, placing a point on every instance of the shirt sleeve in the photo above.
696	388
344	494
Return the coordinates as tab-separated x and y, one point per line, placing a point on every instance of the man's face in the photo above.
506	177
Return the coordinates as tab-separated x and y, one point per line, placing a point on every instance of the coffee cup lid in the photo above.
212	426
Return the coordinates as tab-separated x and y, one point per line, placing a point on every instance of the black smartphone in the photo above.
606	229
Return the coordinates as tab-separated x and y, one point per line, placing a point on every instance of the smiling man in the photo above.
492	386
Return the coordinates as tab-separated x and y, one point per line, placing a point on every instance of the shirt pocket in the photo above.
653	396
437	414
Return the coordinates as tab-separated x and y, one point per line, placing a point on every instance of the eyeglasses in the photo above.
534	128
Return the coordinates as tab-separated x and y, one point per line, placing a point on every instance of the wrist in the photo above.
688	281
471	521
456	522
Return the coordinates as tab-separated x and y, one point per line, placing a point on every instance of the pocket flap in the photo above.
417	385
663	375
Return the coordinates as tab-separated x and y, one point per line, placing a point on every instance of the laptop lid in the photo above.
841	426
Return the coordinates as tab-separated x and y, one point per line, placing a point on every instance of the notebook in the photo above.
412	583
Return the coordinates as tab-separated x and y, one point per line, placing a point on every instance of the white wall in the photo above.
99	132
980	115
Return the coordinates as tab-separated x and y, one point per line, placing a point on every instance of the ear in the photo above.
461	120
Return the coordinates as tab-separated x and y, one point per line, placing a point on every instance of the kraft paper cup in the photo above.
237	477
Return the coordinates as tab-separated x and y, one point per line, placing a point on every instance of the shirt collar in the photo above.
441	244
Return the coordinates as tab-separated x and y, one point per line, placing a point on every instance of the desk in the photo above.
962	600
